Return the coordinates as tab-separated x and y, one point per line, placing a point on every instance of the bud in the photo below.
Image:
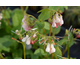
17	32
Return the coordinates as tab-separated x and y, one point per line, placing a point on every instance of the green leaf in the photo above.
17	17
40	25
28	52
39	51
43	10
58	52
6	14
71	39
4	48
61	42
54	8
44	15
17	53
34	57
5	43
17	58
57	30
47	25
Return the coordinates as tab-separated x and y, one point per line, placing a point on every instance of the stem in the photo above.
64	51
53	32
24	51
52	55
33	17
50	31
55	56
68	52
44	31
22	9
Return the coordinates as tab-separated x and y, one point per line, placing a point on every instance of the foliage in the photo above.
11	41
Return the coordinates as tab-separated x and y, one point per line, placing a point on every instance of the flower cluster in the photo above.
25	24
50	48
57	21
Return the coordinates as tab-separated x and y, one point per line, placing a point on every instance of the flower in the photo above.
50	48
26	39
58	21
34	35
1	16
25	25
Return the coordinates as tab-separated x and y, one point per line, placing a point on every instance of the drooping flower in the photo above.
25	24
58	21
50	48
26	39
26	27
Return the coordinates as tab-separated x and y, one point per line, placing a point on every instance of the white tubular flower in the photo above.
57	18
34	35
50	48
61	19
58	21
26	39
54	24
